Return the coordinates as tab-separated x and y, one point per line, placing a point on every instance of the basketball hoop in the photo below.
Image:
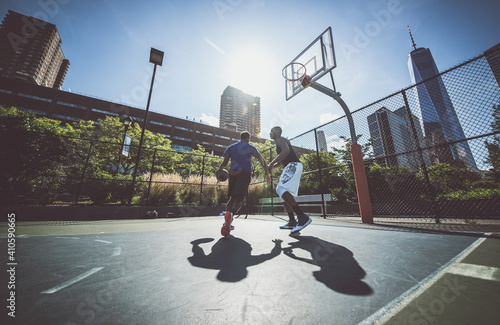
295	73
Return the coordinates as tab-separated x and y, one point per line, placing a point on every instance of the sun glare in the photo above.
249	71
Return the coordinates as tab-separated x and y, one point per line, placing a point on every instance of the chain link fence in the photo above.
430	150
60	171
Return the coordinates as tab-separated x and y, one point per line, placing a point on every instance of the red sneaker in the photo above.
226	227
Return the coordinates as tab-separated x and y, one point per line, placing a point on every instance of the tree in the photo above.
107	139
32	151
330	179
344	153
267	150
344	158
198	161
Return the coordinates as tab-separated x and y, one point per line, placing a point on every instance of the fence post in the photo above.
151	176
83	173
202	173
437	213
323	209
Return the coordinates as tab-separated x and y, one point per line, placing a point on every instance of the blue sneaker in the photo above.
304	221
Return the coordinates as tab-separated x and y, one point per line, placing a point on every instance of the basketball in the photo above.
306	81
222	175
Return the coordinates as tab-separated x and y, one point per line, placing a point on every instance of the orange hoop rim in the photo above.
283	72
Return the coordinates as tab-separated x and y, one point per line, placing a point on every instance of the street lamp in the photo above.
127	121
155	57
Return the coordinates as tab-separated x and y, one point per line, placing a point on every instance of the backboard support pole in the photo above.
365	206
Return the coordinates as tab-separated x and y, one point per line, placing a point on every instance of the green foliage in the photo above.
199	161
446	178
267	150
32	151
344	153
477	194
395	182
330	179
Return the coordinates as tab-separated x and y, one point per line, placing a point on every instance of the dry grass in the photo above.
172	189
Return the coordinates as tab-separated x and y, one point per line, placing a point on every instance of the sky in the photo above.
210	44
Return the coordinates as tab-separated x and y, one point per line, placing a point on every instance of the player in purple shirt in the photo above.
240	174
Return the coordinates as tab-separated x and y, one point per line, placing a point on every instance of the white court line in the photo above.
69	237
72	281
476	271
395	306
103	241
117	251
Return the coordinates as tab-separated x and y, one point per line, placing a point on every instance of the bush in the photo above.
478	193
395	182
447	179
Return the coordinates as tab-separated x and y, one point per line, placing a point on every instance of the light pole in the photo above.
155	57
127	121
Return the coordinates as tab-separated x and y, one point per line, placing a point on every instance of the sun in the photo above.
250	70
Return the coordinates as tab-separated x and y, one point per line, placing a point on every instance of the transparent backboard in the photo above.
318	58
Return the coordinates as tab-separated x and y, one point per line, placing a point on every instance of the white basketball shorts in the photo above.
290	179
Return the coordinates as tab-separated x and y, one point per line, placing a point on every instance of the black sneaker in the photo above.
289	225
304	221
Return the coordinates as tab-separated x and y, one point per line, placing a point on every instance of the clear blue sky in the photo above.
211	44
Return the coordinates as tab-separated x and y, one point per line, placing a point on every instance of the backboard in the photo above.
318	58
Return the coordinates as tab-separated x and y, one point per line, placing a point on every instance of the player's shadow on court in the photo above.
339	270
231	256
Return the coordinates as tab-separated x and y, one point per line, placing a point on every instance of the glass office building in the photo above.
442	129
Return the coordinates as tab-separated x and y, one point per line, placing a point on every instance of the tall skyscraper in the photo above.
393	140
493	57
322	145
31	51
239	111
440	121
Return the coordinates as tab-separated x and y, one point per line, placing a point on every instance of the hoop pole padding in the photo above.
358	166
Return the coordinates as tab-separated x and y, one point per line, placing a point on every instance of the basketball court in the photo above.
181	271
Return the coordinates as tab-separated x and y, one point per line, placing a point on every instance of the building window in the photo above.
32	111
72	105
76	119
183	128
34	97
180	148
159	123
104	112
181	138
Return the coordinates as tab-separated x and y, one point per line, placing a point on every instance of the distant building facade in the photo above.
439	119
322	145
393	139
239	111
31	51
68	107
493	57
